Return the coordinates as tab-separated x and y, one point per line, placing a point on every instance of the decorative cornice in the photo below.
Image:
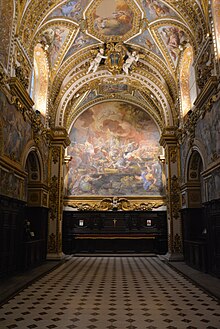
115	203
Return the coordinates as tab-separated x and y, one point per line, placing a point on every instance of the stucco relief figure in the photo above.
132	58
96	61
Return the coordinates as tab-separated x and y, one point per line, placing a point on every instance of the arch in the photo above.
199	148
82	109
194	187
216	14
33	152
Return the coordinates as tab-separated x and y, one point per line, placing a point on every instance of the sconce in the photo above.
161	158
67	159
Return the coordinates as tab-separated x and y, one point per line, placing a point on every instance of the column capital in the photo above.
169	136
59	136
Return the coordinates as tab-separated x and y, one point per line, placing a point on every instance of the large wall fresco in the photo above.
16	132
11	185
114	149
208	132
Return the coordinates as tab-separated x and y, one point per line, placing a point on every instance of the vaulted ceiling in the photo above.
71	32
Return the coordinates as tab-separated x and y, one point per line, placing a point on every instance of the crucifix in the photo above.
114	222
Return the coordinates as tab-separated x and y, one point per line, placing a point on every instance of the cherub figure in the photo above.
96	61
132	57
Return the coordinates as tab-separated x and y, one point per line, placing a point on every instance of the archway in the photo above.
114	182
193	219
36	213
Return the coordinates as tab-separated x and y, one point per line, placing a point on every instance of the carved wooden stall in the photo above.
114	231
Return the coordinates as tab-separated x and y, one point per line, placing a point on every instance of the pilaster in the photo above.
59	141
172	166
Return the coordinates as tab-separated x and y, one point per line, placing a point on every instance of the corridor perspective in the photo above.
112	292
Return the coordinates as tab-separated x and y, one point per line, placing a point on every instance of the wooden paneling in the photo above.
115	231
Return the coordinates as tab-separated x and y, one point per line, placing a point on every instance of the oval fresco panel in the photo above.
114	149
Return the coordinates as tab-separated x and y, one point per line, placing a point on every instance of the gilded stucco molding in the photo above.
33	17
114	203
74	108
192	14
175	197
177	244
145	78
134	85
80	65
53	197
52	245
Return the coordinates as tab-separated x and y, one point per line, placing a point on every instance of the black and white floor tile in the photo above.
111	293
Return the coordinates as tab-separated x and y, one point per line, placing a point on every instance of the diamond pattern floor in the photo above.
112	293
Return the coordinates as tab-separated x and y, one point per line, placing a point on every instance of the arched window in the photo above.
216	18
39	83
187	81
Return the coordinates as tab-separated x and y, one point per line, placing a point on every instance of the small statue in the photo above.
96	61
132	57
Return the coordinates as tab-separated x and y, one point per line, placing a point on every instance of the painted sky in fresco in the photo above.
145	40
114	149
118	20
71	9
156	9
81	41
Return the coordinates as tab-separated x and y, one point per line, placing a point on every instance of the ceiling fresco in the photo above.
135	49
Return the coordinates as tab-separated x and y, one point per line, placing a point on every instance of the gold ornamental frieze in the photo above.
114	203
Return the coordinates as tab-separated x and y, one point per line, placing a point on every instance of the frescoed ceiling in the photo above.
72	32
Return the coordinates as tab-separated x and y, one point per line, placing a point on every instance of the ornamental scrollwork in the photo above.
55	154
173	154
115	203
52	243
174	196
177	244
53	197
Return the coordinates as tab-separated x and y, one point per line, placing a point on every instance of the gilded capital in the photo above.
169	136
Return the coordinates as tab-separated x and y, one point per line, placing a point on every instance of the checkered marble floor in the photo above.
111	292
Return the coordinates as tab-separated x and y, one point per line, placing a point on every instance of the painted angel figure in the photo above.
132	57
96	61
